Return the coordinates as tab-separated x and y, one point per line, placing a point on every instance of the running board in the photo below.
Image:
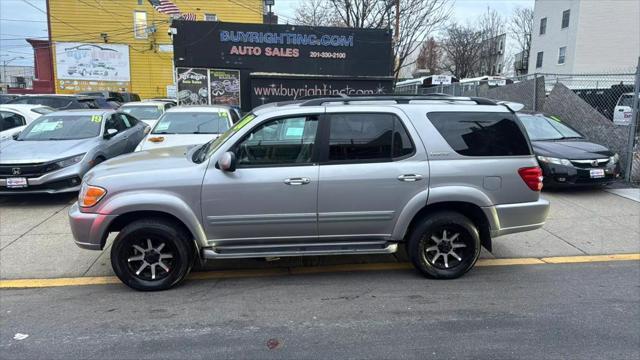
304	249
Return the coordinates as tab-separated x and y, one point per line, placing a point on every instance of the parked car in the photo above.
167	100
14	118
129	97
53	153
59	102
321	177
624	110
4	98
113	95
565	156
147	111
188	125
107	103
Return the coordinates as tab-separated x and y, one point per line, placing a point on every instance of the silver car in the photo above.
441	176
53	153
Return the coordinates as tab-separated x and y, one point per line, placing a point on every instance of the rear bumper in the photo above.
89	230
512	218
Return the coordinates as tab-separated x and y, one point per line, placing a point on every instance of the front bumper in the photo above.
561	175
89	229
65	180
512	218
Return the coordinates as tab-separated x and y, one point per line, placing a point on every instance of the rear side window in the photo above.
481	134
366	137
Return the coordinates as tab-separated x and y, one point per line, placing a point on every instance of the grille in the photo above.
590	164
26	170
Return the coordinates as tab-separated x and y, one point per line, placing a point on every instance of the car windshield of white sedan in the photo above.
192	123
68	127
151	112
543	128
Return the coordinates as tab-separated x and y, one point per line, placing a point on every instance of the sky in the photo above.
19	20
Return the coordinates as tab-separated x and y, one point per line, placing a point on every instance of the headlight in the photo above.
70	160
90	195
614	159
552	160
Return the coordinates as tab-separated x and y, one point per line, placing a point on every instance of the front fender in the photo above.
159	201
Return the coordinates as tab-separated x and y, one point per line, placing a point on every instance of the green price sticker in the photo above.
555	118
96	118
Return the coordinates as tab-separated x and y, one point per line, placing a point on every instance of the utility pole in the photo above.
396	40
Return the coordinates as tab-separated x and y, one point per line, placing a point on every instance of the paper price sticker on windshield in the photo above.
47	126
162	126
96	118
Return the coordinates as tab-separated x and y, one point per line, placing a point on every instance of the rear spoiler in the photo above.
513	106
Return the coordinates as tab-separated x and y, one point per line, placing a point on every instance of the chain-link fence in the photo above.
601	106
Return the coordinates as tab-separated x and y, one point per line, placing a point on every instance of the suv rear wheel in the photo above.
152	254
444	246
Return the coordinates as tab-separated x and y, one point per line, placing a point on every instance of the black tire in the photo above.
154	277
432	265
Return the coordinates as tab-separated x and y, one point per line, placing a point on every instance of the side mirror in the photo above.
15	136
110	133
227	162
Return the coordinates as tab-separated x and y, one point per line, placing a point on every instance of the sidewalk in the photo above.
36	242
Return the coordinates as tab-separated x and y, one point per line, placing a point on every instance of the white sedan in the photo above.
188	125
15	117
147	111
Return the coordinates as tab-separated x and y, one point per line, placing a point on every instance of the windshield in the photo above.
544	128
151	112
626	100
63	127
192	123
209	148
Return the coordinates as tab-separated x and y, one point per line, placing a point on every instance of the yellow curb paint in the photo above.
590	258
229	274
503	262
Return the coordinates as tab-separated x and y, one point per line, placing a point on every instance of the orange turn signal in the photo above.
90	195
156	139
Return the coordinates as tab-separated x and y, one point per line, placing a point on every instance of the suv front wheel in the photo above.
444	246
152	254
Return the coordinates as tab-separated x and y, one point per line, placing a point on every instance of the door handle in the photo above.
297	181
410	177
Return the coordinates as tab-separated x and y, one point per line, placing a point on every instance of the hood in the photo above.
175	140
574	150
20	152
141	162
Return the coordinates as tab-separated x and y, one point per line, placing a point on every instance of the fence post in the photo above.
633	124
535	92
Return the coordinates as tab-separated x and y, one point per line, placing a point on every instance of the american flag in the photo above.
165	7
188	16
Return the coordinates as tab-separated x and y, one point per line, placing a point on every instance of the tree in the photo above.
491	27
316	13
520	27
461	46
430	56
418	18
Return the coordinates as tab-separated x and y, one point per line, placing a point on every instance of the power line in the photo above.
44	12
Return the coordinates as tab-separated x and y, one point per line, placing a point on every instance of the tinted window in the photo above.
150	112
543	128
367	137
67	127
192	123
9	120
278	142
481	134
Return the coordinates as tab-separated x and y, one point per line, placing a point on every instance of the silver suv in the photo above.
361	175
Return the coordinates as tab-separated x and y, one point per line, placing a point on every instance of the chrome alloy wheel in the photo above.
446	250
150	263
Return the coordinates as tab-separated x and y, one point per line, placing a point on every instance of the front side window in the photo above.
481	133
565	18
561	55
192	123
367	138
543	26
286	141
539	59
67	127
140	24
10	120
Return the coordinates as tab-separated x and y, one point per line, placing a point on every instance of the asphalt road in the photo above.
575	311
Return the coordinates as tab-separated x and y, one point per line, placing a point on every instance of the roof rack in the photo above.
399	99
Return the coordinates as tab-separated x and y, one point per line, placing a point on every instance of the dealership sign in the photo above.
97	62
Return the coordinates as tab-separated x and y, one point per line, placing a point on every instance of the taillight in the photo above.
532	176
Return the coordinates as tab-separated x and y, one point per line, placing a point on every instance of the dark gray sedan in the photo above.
53	153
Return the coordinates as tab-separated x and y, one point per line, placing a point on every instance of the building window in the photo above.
210	17
140	2
565	18
561	54
140	24
499	68
543	26
539	59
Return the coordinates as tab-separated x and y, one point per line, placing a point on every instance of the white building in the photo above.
585	36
